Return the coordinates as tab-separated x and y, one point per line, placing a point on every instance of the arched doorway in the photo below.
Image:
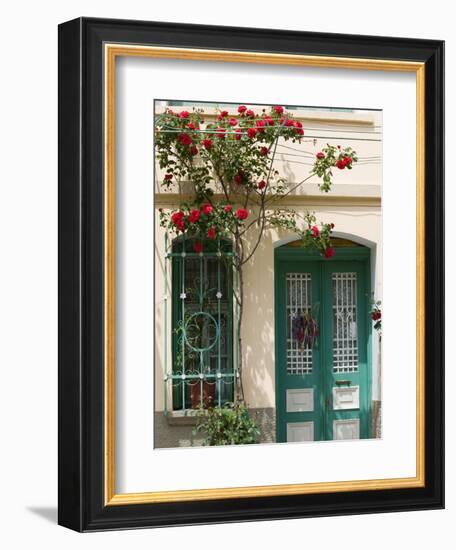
323	343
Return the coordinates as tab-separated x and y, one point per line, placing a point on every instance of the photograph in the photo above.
268	273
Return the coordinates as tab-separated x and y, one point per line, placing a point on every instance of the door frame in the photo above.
359	253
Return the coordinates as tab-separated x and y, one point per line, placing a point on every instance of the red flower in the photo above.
178	220
238	133
194	150
249	113
320	155
168	177
184	114
376	315
278	109
223	114
207	144
298	125
260	124
264	151
242	214
232	121
239	178
251	132
185	139
269	120
220	132
329	252
194	216
340	164
227	208
261	184
206	209
191	126
198	247
332	225
315	231
242	109
288	122
211	233
347	160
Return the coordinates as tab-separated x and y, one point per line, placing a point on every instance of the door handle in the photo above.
343	382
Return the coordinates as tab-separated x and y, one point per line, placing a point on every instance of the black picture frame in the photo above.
81	428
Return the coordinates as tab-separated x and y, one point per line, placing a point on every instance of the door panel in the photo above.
323	390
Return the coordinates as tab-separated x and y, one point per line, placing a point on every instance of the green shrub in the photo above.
228	425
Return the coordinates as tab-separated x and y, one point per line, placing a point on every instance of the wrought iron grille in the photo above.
202	371
345	337
299	302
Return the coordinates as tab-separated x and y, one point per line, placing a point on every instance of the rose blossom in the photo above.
194	150
242	109
206	209
320	155
191	126
278	109
261	184
220	132
315	231
223	114
211	233
341	164
232	121
207	144
198	247
168	177
184	114
329	252
194	216
251	132
264	151
185	139
249	113
238	133
242	214
178	219
260	124
227	208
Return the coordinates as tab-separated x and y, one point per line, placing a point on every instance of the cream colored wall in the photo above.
360	223
353	205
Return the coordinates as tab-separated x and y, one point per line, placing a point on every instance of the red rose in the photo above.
261	184
278	109
220	132
232	122
288	122
251	132
184	114
320	155
260	124
223	114
340	164
347	160
207	144
329	252
376	315
185	139
194	150
198	247
194	216
249	113
298	125
242	109
242	214
211	233
238	133
206	209
264	151
239	178
168	177
191	126
227	208
315	231
178	220
269	120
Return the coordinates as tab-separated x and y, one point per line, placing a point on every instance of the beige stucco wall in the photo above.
354	206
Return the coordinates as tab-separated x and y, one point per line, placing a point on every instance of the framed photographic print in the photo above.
250	274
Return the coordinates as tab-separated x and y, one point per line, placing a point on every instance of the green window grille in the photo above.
201	373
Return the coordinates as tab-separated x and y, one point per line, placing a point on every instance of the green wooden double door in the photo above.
323	376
